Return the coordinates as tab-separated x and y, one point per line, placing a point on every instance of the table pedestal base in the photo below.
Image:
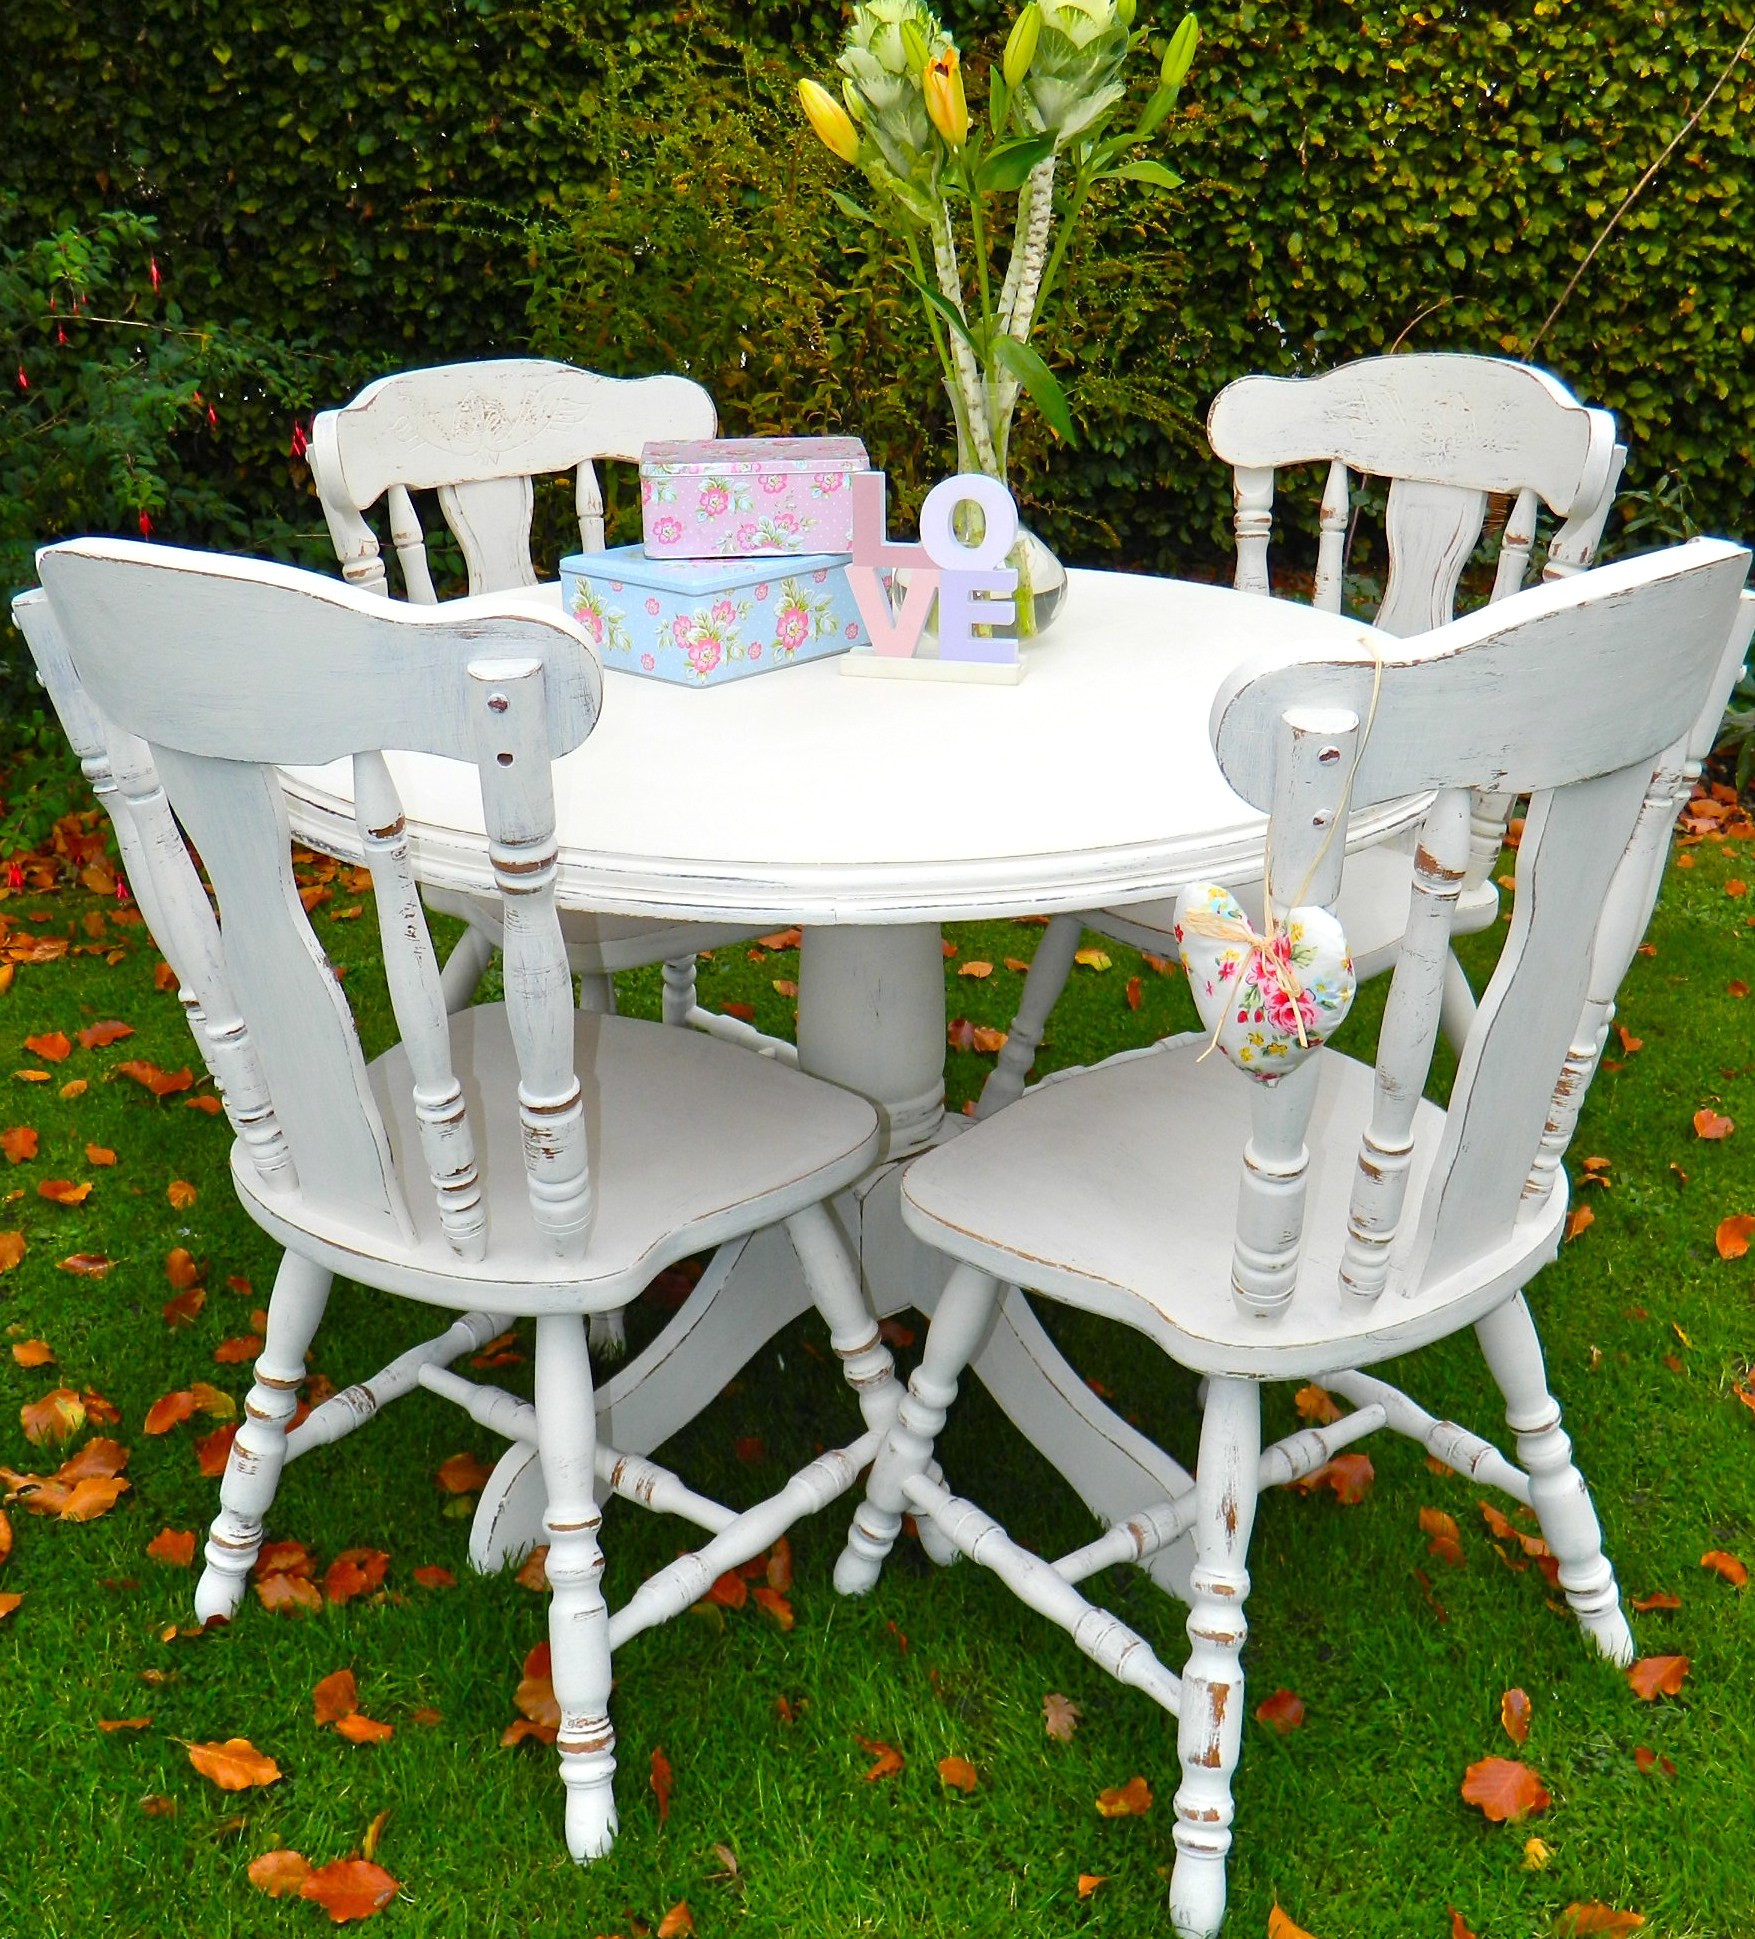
755	1287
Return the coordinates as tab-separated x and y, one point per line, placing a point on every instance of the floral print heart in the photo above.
1253	992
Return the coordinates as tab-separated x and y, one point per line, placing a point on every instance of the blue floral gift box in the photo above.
702	622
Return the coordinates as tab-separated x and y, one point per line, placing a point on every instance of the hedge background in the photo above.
361	187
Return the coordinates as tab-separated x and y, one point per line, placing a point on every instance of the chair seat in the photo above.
598	944
693	1142
1115	1189
1372	910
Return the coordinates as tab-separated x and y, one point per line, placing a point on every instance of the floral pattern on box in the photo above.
1254	992
748	497
701	623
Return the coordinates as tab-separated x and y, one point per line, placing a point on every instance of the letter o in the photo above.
938	533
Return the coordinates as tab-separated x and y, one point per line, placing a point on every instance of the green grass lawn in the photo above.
1353	1823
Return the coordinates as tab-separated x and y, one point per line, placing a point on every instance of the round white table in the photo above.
869	812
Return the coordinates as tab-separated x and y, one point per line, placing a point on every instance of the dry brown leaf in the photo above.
235	1765
1657	1676
63	1191
535	1695
660	1779
1514	1714
181	1194
1017	965
958	1773
1579	1219
362	1730
278	1873
351	1888
1316	1405
462	1474
1060	1717
287	1594
175	1547
1505	1790
1591	1916
1733	1235
1130	1800
158	1806
374	1834
534	1572
677	1923
52	1047
1733	1571
33	1353
1282	1712
57	1416
335	1696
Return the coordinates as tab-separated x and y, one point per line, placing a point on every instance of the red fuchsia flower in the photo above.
15	874
145	526
23	380
152	269
122	894
299	440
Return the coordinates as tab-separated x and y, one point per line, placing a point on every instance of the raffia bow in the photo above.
1273	951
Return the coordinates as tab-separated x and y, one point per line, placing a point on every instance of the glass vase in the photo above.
1042	580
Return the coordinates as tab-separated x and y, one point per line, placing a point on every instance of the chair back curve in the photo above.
1447	430
478	434
204	674
1554	694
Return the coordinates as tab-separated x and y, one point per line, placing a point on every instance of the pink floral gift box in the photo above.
702	622
748	498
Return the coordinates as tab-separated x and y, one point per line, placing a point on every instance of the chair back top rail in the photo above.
226	669
1556	694
479	433
1447	430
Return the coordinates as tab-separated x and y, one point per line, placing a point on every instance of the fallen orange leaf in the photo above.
957	1772
99	1155
1280	1927
534	1573
353	1573
33	1353
1130	1800
161	1083
677	1923
1282	1712
57	1416
1505	1790
980	971
245	1346
1728	1566
335	1696
284	1558
278	1872
235	1765
1657	1676
659	1779
351	1888
1661	1599
772	1603
287	1593
168	1411
729	1591
8	1603
374	1834
462	1474
1089	1881
1591	1917
94	1496
52	1047
92	1265
1349	1475
1060	1717
1733	1234
430	1576
185	1309
181	1269
1709	1124
1459	1927
362	1730
63	1191
181	1194
99	1036
158	1806
5	1536
98	1459
11	1250
173	1546
889	1759
1578	1219
1514	1714
1316	1405
779	1569
19	1143
112	1724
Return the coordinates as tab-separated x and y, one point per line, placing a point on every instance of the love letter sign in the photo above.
972	583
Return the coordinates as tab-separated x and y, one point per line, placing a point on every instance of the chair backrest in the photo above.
1447	431
478	434
1555	694
205	674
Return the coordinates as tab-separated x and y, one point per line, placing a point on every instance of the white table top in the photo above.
802	796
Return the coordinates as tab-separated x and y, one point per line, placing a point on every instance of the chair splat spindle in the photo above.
1331	550
1252	490
518	797
588	498
411	967
1404	1056
411	548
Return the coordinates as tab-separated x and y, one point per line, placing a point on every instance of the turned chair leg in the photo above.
578	1617
464	968
1557	1492
597	992
833	1279
252	1470
1210	1729
1049	968
965	1310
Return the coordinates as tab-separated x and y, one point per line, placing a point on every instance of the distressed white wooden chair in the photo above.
519	1159
480	434
1365	1222
1447	431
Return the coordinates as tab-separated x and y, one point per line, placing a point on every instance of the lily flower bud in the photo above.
915	48
1179	55
1125	11
833	124
946	105
1020	48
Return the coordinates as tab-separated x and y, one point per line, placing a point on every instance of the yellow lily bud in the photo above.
1020	48
1179	55
946	105
832	122
1125	11
914	47
855	106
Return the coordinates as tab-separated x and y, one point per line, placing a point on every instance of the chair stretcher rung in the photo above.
1455	1446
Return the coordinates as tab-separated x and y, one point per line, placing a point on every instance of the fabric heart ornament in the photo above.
1269	1001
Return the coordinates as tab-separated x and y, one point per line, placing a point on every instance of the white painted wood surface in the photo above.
510	1160
1116	1189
